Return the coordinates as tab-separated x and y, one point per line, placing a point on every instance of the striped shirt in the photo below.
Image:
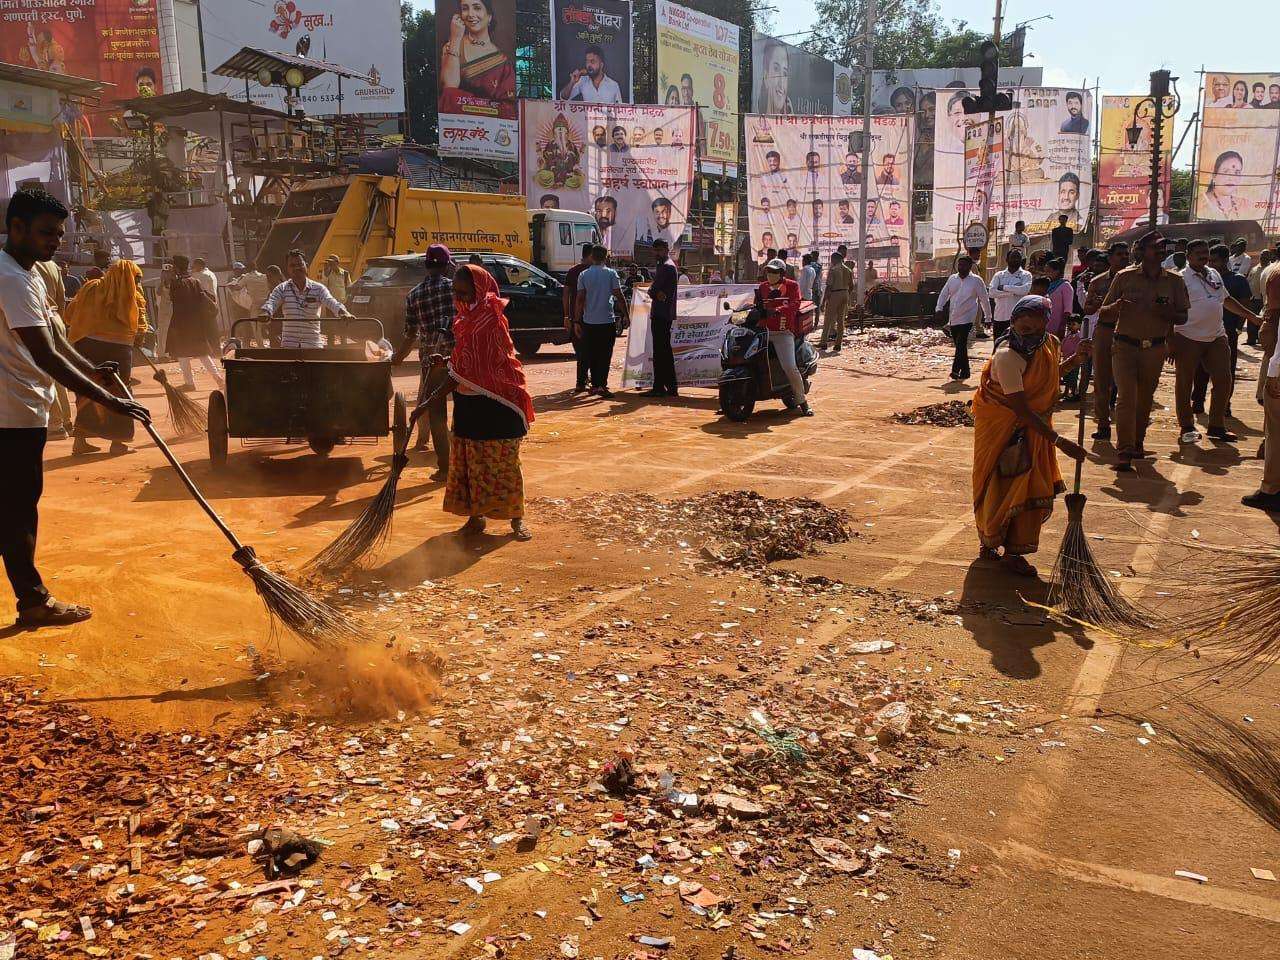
300	310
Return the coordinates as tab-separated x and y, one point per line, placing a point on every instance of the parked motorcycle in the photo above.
751	371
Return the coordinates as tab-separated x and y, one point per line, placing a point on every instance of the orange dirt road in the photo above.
1065	827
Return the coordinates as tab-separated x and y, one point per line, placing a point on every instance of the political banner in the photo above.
791	80
477	66
591	50
698	66
1048	164
726	229
631	166
114	41
1124	172
984	164
906	91
804	188
1236	174
362	35
696	335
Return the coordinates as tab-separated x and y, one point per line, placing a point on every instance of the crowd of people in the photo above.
1119	319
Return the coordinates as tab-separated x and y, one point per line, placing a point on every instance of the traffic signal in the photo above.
988	98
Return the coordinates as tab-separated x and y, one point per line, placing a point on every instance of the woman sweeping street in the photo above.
1015	471
492	408
103	321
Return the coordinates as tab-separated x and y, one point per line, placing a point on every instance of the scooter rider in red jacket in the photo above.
779	298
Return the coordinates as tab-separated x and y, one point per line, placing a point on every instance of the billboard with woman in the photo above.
1240	149
477	99
789	80
698	66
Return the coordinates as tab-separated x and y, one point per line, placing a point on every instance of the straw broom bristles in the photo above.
288	605
1079	587
367	532
187	416
1240	624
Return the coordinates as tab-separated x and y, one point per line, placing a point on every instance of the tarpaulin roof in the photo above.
246	64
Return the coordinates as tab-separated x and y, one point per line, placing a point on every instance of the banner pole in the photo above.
1192	203
1097	152
867	180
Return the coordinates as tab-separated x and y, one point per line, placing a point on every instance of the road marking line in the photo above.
730	467
1099	663
887	464
1169	888
911	563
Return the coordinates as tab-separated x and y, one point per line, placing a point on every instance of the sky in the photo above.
1100	39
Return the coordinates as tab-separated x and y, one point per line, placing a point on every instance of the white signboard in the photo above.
696	335
362	35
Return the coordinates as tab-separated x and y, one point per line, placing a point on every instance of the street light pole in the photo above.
867	58
1159	90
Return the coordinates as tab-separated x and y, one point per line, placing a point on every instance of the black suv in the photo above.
535	311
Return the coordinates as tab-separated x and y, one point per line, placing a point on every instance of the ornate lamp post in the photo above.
1162	103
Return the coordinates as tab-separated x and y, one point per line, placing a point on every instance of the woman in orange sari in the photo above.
1015	470
492	408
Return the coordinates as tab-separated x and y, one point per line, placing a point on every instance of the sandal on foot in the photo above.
520	531
987	553
473	525
53	613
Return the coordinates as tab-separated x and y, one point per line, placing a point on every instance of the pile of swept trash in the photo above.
951	413
737	528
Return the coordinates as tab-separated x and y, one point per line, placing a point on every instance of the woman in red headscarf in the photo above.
492	408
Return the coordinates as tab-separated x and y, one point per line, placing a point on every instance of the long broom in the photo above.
312	620
369	531
187	416
1077	586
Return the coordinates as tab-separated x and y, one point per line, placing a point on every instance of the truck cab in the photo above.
557	237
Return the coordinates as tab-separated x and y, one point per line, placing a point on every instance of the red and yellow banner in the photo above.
1124	171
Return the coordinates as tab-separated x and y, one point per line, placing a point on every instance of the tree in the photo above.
1180	189
911	35
419	30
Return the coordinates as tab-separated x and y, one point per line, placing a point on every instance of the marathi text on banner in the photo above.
1048	157
703	314
698	66
363	35
115	41
630	166
477	99
1240	149
1124	172
804	187
591	50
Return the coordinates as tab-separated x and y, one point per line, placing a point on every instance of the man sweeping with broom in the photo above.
1015	471
33	355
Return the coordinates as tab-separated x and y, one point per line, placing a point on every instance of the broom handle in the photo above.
182	474
1080	441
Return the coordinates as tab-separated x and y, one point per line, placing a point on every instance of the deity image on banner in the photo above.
559	149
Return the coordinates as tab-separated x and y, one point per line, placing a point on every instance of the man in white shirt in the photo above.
1176	261
300	299
34	353
251	288
592	84
1239	261
1203	339
1008	286
808	275
966	296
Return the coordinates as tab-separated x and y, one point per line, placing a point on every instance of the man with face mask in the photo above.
1015	471
779	298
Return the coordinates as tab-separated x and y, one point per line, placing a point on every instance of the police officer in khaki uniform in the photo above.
835	302
1117	260
1145	302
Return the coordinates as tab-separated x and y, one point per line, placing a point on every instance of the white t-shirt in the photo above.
586	91
26	391
807	276
1204	318
1019	241
1240	263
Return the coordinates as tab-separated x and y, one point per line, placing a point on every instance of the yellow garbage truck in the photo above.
362	216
